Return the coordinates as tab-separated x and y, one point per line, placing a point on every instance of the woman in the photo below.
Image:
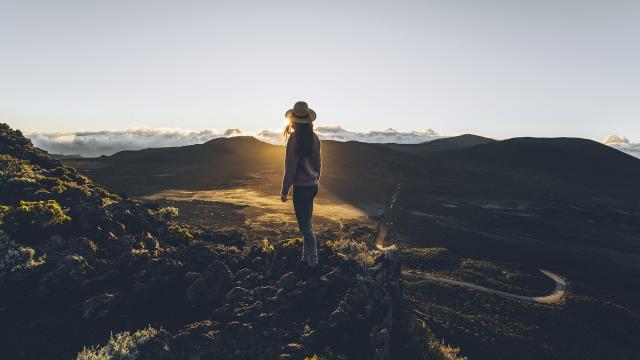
302	171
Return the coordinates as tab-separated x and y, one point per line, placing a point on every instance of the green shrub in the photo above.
122	346
16	257
292	242
4	210
352	250
315	357
267	246
40	214
179	233
167	213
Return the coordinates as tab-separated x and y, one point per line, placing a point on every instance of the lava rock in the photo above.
211	286
287	281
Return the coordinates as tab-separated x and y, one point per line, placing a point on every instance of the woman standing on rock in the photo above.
302	171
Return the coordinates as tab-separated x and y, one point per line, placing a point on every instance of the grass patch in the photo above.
421	343
122	346
352	250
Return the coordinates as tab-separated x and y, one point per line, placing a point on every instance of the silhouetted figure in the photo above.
302	171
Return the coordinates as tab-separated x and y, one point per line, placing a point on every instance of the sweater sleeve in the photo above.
319	159
290	166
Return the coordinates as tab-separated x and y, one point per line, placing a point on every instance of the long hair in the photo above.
304	137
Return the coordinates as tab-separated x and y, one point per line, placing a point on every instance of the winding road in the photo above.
556	296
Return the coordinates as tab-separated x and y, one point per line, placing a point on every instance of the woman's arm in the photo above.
290	166
319	159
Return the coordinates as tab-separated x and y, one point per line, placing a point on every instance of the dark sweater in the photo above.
301	171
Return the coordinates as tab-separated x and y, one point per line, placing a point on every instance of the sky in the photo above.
498	68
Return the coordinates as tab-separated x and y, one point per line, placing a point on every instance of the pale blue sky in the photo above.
497	68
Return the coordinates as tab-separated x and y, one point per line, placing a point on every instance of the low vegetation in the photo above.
122	346
352	250
422	344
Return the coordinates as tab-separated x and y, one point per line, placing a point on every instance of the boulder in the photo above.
211	286
99	307
287	281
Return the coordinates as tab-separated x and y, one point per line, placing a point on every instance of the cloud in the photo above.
376	136
96	143
338	133
623	144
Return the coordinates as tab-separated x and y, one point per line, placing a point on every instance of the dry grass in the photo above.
122	346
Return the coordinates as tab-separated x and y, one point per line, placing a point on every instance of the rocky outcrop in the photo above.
80	263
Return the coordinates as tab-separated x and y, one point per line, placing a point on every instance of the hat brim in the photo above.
301	120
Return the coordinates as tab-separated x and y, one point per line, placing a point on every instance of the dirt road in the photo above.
556	296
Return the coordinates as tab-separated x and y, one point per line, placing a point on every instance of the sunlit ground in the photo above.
266	209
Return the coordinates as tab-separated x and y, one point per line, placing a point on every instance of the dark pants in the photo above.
303	205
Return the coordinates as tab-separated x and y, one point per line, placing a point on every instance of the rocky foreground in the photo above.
87	274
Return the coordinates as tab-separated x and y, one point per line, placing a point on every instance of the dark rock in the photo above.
150	242
191	276
211	286
238	293
257	263
222	314
338	317
242	273
68	273
250	311
251	280
99	307
287	281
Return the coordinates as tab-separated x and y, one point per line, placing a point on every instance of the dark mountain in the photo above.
521	167
566	156
66	157
526	166
450	143
239	147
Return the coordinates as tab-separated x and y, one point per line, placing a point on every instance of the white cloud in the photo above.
623	144
376	136
338	133
96	143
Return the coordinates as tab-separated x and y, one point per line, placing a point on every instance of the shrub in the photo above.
179	233
122	346
315	357
167	213
41	214
292	242
267	246
16	257
4	210
352	250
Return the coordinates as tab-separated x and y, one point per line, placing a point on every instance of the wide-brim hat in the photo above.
300	113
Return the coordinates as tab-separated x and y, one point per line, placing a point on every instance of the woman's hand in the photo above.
283	197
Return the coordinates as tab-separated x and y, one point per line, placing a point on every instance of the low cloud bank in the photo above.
108	142
375	136
96	143
623	144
